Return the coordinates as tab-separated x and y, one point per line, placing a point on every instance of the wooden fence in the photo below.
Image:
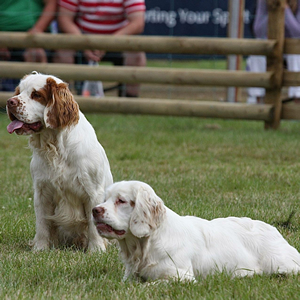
273	80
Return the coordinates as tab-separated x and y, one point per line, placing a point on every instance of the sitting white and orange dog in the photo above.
156	243
69	167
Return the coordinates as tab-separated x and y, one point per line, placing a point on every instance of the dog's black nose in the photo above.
98	211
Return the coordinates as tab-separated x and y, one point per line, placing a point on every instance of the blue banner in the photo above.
203	18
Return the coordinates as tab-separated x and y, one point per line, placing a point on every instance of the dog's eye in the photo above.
36	95
120	201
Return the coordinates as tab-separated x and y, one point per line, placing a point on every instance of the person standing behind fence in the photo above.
117	17
292	30
33	16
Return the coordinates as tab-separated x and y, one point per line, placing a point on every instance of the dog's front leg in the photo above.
43	206
128	276
95	241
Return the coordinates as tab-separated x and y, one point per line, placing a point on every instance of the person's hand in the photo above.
95	55
35	30
4	54
35	55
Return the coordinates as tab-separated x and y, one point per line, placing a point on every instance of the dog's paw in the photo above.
39	245
97	245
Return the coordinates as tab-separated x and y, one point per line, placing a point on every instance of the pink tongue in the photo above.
14	125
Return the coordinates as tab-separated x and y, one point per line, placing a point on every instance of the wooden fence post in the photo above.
235	30
276	10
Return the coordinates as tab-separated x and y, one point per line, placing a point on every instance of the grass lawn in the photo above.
202	63
207	168
218	64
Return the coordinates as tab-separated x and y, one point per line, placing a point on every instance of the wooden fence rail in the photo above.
188	108
140	75
151	44
167	107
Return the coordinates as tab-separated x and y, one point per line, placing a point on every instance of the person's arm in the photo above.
292	22
260	26
66	21
135	25
67	25
46	17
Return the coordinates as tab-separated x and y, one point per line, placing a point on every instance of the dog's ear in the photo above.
148	213
61	110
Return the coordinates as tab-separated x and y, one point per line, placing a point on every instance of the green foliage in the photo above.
206	168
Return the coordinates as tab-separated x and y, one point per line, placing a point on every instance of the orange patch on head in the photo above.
40	96
62	109
17	91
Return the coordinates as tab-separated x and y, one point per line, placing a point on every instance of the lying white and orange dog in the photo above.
69	167
156	243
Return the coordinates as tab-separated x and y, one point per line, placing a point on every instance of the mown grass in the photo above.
217	63
207	168
208	63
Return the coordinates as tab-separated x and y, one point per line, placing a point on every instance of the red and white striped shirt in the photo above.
102	16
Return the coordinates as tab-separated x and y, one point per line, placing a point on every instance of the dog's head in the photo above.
129	207
41	101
